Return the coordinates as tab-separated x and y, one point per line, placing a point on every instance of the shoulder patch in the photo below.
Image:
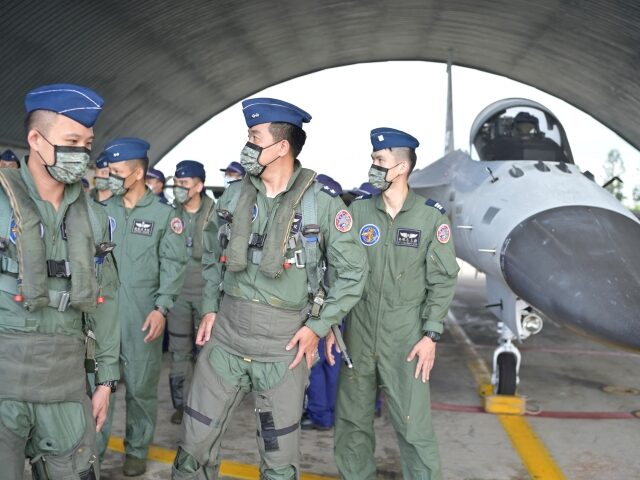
343	221
176	225
444	233
436	205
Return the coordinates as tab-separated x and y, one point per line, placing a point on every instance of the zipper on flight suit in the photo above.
388	227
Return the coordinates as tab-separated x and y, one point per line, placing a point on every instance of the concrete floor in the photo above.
561	372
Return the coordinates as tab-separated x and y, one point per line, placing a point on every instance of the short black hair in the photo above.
408	153
38	119
291	133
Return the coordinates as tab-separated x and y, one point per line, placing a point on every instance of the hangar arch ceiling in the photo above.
165	67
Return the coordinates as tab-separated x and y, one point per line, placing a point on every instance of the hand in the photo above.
425	349
204	330
307	342
329	342
100	405
155	323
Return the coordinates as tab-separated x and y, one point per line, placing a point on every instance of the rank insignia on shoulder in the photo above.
343	221
330	191
436	205
176	225
166	202
443	233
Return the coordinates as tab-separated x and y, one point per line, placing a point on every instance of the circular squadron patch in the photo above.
344	222
369	234
444	233
254	212
176	225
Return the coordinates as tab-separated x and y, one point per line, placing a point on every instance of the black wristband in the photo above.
435	336
112	384
162	310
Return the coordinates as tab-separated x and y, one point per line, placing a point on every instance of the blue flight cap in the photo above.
155	173
9	156
390	137
85	182
126	148
78	103
329	184
190	169
365	189
234	167
102	161
267	110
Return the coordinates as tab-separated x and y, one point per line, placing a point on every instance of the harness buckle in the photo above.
58	269
256	240
65	297
297	257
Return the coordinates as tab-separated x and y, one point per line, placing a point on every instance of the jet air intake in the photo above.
580	265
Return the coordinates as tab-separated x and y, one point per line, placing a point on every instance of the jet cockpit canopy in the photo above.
519	129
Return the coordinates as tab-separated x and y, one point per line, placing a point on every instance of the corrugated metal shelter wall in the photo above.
165	67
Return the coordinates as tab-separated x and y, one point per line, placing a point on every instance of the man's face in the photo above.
231	175
193	184
525	128
8	164
385	158
261	136
61	131
102	172
129	170
155	185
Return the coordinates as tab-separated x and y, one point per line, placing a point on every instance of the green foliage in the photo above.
614	167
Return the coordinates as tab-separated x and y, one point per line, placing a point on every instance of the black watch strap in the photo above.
435	336
112	384
164	311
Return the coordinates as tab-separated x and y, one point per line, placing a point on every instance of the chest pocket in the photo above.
142	239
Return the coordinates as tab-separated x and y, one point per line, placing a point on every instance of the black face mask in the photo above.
249	158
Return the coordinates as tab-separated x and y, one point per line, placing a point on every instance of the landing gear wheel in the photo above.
507	374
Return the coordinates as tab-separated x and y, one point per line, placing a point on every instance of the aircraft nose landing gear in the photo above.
506	363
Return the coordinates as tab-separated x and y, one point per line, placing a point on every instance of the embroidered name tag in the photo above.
142	227
407	237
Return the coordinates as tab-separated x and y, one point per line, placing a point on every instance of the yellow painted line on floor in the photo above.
241	471
534	455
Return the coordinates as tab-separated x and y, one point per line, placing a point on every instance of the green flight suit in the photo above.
256	317
151	257
184	318
58	436
411	283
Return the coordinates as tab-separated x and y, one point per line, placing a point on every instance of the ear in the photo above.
34	139
284	148
199	187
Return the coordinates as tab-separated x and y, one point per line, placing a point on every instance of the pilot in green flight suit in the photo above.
151	257
278	226
391	332
49	298
194	207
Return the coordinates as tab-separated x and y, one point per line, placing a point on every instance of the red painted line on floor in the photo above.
450	407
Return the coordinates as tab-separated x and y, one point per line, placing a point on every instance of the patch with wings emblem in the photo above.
407	237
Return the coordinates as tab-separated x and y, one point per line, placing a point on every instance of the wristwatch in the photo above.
162	310
112	384
435	336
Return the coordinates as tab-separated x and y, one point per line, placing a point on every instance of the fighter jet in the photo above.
551	242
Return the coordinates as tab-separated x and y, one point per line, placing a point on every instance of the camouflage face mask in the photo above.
70	163
378	177
250	156
102	183
181	194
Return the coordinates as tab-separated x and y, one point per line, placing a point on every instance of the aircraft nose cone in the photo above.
579	265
